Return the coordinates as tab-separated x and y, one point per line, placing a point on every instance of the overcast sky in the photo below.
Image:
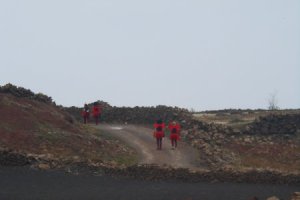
201	54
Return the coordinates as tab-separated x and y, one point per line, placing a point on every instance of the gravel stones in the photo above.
10	158
296	196
136	115
280	124
273	198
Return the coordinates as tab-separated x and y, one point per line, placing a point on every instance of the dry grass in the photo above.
276	156
237	120
38	128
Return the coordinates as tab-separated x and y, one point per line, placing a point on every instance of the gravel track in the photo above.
142	140
26	183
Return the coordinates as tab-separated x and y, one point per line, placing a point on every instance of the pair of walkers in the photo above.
159	133
96	112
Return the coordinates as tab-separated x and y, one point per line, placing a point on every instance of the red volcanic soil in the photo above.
33	127
24	121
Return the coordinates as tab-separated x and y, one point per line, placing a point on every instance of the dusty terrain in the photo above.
36	132
244	140
46	132
141	139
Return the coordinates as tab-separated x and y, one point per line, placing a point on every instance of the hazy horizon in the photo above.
205	55
132	106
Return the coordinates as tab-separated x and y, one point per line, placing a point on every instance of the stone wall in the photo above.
209	139
213	140
136	115
283	124
145	115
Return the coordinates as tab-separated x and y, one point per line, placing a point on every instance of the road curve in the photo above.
141	139
25	183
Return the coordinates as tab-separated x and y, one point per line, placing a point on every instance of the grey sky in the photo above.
210	54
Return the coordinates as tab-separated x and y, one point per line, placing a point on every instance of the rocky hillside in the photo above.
229	139
280	124
25	93
270	142
31	125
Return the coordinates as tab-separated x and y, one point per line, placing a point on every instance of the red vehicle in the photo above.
174	128
159	127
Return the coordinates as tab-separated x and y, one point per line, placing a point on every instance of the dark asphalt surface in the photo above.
24	183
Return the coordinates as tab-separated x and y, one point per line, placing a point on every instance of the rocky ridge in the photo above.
280	124
135	115
25	93
34	130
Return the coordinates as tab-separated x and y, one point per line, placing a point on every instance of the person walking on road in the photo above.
96	112
159	127
85	113
174	128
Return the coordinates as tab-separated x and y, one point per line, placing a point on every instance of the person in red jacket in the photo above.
85	113
159	127
96	112
174	128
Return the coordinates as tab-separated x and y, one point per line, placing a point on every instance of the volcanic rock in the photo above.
296	196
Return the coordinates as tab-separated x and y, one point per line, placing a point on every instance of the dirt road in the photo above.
141	139
25	183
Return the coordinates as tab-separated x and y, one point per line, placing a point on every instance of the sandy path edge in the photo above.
141	139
